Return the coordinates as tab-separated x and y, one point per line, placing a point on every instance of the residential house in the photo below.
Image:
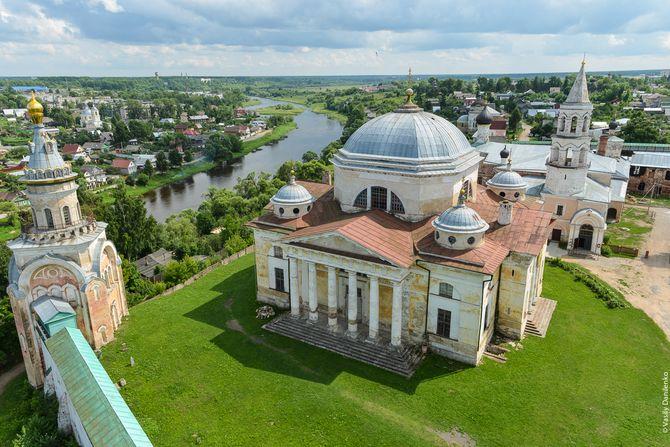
241	131
75	151
240	112
94	176
125	166
150	266
19	198
141	160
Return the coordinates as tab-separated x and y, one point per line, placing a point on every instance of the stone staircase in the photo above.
402	361
540	317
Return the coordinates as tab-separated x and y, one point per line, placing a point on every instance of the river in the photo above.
314	132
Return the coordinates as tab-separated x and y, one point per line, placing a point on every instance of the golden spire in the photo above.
35	110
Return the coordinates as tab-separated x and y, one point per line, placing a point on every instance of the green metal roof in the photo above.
104	414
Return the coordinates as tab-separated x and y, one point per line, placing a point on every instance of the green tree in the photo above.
641	128
175	158
121	132
148	169
309	156
515	119
162	163
142	179
133	232
217	149
141	130
235	244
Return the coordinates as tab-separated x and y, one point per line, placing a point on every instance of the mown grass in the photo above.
15	408
9	232
632	229
275	110
206	372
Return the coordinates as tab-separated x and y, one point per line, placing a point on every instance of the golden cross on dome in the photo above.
409	92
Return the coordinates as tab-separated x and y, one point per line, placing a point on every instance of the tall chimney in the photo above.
602	143
505	212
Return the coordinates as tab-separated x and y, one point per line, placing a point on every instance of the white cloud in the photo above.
108	5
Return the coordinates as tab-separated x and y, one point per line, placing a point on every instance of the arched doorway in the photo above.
611	214
585	238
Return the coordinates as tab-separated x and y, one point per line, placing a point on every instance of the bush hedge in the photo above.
612	297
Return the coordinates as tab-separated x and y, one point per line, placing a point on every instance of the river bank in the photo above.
309	131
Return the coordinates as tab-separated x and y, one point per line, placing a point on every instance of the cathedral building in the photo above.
581	188
63	264
406	252
89	118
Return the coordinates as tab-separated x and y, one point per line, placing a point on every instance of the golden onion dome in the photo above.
35	110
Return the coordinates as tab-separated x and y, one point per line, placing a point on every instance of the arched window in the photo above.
66	215
446	290
466	188
568	156
561	124
396	204
585	126
573	125
49	218
362	199
103	333
378	195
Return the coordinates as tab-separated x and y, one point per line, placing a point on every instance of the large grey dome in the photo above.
460	219
409	134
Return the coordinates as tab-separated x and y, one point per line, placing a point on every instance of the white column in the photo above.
313	314
332	297
396	314
352	305
294	287
374	307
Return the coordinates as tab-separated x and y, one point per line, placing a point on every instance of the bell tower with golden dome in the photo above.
63	258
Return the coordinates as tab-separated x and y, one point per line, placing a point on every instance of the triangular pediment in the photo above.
339	243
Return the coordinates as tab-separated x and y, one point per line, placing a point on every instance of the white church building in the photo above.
406	252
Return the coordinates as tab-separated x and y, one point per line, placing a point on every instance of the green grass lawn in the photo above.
632	229
206	370
9	232
274	110
663	202
15	408
277	134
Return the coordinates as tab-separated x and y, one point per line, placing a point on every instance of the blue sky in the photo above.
303	37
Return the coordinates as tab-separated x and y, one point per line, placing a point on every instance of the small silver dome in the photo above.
292	194
86	110
507	179
460	219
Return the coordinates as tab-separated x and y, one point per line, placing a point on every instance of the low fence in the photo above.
632	251
203	272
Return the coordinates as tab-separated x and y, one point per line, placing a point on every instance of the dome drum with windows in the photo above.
460	227
508	184
292	200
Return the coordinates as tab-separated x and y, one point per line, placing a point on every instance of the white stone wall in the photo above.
421	196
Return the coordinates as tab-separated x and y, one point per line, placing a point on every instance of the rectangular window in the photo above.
279	253
559	210
486	315
446	290
667	175
378	198
279	279
444	323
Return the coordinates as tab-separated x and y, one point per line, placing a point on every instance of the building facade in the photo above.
404	251
64	255
582	189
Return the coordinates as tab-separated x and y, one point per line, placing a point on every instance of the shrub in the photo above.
142	180
603	291
606	239
606	251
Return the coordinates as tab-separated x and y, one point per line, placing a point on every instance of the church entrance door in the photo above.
585	239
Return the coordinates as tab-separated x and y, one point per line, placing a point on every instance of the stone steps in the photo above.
403	361
539	320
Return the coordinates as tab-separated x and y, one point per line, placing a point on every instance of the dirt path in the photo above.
10	375
644	282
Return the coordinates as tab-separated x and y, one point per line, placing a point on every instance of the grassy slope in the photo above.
14	408
277	133
595	379
9	232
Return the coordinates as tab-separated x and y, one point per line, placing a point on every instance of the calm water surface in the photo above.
314	132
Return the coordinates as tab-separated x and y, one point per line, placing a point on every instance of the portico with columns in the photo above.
357	298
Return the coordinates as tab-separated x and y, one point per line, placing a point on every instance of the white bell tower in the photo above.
568	164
